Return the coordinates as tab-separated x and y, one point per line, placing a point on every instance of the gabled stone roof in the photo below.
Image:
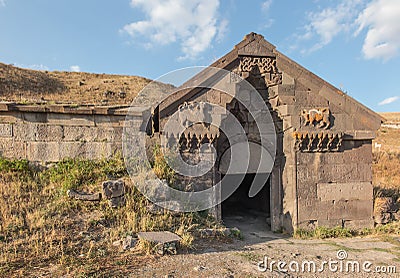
255	45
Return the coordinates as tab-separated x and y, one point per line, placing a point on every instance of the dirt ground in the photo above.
241	257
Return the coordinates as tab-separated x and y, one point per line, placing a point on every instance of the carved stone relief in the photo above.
192	127
319	117
190	140
317	141
195	112
265	67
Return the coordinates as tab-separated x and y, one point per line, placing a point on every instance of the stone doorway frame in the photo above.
275	194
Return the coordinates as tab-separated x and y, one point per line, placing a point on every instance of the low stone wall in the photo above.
49	133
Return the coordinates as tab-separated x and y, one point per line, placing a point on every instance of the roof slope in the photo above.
255	43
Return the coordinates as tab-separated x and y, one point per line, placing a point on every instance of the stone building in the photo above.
322	168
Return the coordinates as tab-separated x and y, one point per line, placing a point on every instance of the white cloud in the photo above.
33	66
328	23
382	20
2	3
192	23
75	68
222	30
389	100
266	5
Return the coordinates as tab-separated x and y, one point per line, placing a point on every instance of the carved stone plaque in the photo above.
262	66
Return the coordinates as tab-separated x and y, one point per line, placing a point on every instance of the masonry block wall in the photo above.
42	133
325	184
335	189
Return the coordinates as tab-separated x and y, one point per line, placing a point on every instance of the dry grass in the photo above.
33	86
42	231
386	163
391	116
386	173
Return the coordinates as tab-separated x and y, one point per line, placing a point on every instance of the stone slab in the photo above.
159	237
70	119
344	191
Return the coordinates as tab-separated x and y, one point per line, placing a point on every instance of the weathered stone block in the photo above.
43	151
342	121
214	96
12	149
350	210
73	150
48	133
109	120
344	191
108	134
79	133
345	172
330	223
6	130
11	117
166	241
358	224
70	119
114	191
25	132
31	117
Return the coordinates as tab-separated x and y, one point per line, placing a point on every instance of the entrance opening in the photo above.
239	207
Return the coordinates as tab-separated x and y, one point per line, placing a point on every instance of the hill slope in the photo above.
388	136
32	86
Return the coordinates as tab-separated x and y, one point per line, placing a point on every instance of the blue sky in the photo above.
353	44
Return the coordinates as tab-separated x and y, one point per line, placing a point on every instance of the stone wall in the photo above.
324	186
42	133
335	189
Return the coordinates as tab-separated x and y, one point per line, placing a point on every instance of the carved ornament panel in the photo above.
264	67
317	141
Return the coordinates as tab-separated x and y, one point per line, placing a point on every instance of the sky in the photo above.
353	44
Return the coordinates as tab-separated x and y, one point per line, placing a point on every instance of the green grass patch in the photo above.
324	232
321	232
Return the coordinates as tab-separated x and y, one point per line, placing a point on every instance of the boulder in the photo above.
114	191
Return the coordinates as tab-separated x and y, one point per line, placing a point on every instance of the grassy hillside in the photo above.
386	152
33	86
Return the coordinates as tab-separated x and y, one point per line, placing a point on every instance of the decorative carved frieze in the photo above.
190	141
318	117
263	66
317	141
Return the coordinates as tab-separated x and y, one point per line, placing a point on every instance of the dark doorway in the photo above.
239	205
